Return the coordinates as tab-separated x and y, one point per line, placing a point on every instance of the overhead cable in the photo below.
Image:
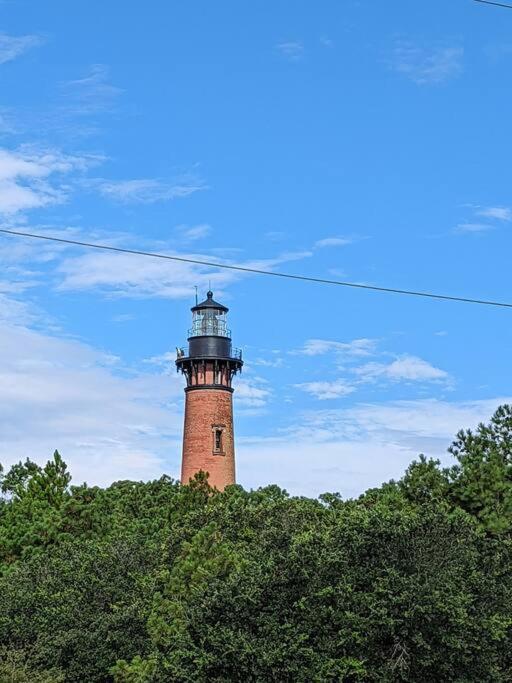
258	271
496	4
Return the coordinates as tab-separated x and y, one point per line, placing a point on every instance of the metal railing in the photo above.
235	353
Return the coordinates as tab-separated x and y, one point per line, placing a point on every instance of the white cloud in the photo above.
357	347
292	49
427	66
327	390
108	422
123	274
356	448
500	213
165	360
13	311
494	213
70	268
463	228
250	394
25	177
147	190
333	242
14	46
406	368
191	233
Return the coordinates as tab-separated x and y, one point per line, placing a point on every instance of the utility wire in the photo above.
496	4
258	271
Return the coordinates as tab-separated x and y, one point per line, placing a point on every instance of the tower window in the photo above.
218	441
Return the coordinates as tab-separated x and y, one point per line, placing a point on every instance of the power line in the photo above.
496	4
257	271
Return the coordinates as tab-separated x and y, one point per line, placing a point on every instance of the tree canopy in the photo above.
156	582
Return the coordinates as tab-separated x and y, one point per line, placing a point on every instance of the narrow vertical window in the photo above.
218	440
218	445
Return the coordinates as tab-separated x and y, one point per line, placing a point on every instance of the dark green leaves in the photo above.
156	582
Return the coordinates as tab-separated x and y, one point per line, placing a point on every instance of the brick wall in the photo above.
205	411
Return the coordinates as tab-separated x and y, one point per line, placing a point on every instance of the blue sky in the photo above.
362	141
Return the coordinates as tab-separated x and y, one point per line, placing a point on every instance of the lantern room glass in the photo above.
209	322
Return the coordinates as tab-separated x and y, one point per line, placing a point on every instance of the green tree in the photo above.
156	582
483	476
14	669
31	519
293	590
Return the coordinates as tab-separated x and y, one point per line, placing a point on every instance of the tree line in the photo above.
158	582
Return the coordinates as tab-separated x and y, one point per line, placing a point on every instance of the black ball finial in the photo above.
209	294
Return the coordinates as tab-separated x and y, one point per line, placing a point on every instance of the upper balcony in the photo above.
235	354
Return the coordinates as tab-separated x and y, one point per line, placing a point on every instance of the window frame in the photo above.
218	439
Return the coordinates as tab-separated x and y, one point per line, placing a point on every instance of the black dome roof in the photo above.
209	303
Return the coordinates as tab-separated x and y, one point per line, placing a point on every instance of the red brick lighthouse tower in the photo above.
209	367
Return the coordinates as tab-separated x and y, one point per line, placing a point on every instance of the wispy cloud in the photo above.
317	347
500	213
127	275
92	93
191	233
12	47
333	242
26	177
352	376
149	190
327	390
357	447
276	362
427	66
293	50
251	394
122	275
405	368
123	318
493	214
462	228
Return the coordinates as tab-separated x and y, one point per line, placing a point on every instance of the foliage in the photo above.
483	477
14	669
156	582
31	519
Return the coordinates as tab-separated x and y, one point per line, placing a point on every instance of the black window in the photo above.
217	446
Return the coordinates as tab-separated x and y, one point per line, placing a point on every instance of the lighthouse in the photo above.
209	367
